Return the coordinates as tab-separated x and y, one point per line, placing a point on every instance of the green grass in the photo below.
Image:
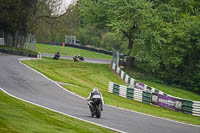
20	117
69	51
85	76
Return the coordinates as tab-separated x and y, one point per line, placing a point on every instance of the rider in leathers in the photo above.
95	94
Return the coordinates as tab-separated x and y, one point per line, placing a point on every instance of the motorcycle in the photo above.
81	58
78	58
95	107
56	56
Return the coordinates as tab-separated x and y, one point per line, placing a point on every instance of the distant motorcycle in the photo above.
81	58
56	56
78	58
95	107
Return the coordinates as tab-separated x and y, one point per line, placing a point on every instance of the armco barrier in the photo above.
187	106
126	92
146	97
2	42
191	107
156	98
196	108
132	82
116	89
130	93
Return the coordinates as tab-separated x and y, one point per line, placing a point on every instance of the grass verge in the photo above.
85	76
69	51
19	117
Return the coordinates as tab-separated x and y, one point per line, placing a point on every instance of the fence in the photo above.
18	40
70	39
162	100
2	41
133	83
30	42
116	56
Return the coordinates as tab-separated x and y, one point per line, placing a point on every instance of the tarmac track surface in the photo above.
89	60
22	82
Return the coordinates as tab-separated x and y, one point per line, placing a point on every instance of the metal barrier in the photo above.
2	42
132	82
146	94
162	100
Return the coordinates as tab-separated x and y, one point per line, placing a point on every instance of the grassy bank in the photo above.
84	77
69	51
20	117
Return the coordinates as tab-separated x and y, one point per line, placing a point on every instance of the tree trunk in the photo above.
129	63
129	58
130	46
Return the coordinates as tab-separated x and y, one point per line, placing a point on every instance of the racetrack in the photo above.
89	60
22	82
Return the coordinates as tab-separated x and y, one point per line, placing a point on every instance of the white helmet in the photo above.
95	89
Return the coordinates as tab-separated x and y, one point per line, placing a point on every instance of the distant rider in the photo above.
56	56
95	94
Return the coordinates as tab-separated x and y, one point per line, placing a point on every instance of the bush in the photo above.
109	41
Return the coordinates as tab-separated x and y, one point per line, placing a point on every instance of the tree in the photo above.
173	43
109	41
55	28
18	17
127	17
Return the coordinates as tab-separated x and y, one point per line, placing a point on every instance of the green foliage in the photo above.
128	16
169	46
110	41
122	17
93	12
48	27
89	36
13	17
164	34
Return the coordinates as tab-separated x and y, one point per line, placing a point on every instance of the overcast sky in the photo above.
65	4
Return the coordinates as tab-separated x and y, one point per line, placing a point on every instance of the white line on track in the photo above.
106	105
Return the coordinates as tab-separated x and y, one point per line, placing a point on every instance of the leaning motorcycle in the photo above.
78	58
95	107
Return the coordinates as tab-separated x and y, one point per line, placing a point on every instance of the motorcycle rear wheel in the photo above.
98	113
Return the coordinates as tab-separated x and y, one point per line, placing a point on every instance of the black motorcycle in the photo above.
95	107
78	58
81	58
56	56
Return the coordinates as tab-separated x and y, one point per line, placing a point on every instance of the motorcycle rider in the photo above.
56	56
95	94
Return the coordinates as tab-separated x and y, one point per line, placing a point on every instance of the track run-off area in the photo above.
26	84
